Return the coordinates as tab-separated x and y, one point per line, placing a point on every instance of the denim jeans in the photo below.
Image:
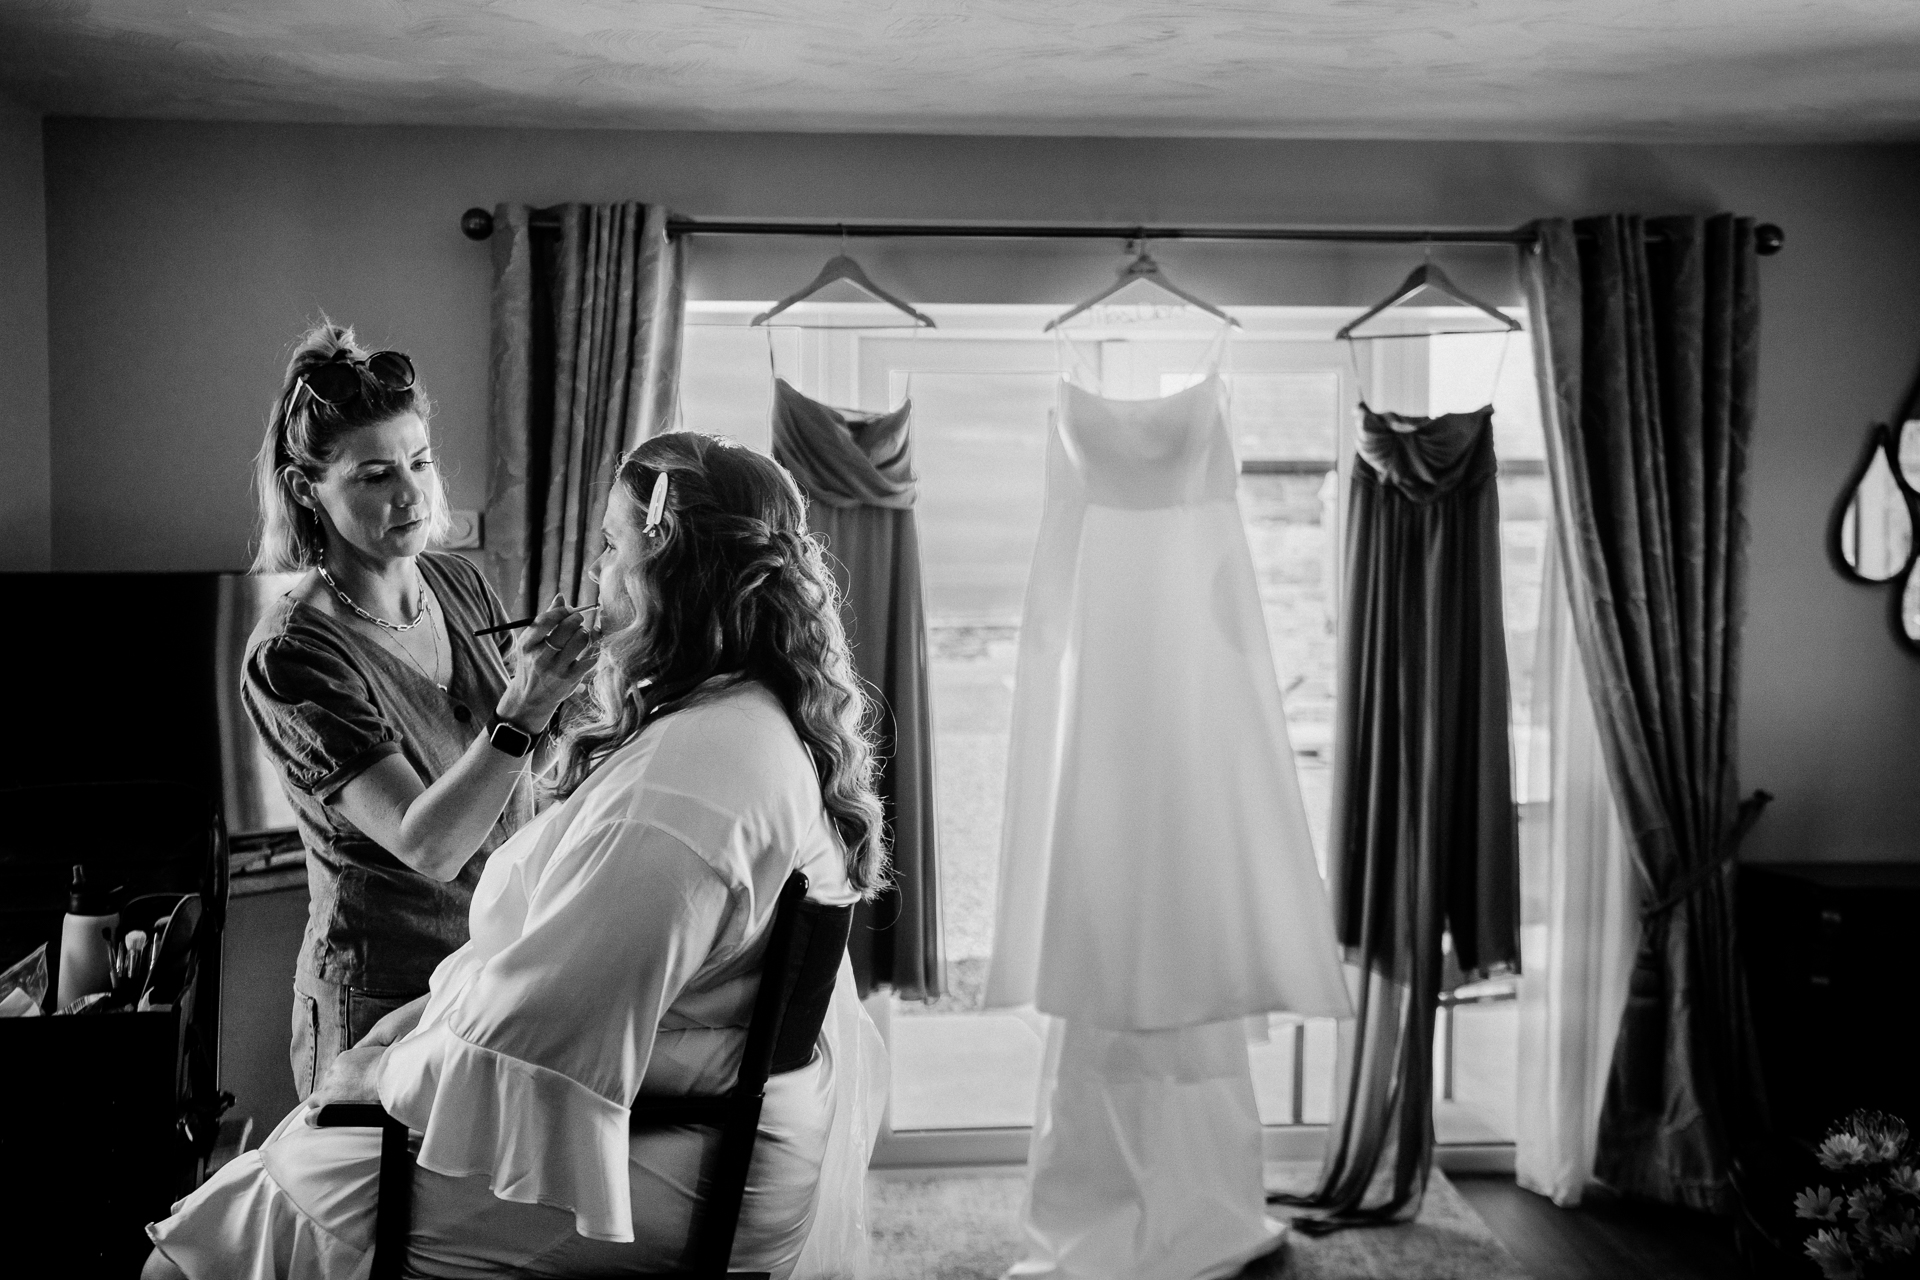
329	1017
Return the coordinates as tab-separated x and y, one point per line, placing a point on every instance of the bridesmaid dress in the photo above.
857	472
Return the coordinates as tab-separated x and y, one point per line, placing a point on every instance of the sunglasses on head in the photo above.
343	377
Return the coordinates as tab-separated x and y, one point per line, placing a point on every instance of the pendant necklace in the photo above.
433	635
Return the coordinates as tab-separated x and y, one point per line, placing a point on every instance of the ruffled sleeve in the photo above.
527	1076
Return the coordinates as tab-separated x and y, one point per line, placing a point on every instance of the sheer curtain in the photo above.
586	364
1579	921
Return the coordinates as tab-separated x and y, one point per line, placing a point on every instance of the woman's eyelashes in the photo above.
385	474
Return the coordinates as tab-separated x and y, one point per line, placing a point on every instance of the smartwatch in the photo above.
510	738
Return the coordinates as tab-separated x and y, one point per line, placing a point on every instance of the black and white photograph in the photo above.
959	639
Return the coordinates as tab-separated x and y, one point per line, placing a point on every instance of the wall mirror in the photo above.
1873	535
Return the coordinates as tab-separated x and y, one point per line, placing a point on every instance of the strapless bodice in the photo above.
1145	454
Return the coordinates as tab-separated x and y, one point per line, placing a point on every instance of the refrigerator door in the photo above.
249	781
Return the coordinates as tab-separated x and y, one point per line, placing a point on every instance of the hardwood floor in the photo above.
1604	1240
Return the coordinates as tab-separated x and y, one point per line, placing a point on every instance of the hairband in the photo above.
656	506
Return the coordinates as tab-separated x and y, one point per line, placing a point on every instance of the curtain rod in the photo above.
1018	231
477	224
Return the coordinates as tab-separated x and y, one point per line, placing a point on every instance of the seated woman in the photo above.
616	942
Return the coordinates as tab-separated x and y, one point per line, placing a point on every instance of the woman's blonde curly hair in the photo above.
737	588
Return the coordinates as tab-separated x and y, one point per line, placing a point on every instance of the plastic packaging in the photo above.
86	940
23	987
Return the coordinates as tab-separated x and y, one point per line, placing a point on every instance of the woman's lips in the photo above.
409	526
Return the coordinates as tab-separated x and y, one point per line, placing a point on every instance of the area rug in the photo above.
967	1227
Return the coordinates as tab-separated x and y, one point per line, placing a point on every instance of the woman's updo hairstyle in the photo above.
735	585
303	433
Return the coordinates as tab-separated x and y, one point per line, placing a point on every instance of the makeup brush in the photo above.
517	623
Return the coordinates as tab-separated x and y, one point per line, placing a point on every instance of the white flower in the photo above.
1841	1150
1830	1250
1906	1179
1818	1203
1882	1137
1904	1238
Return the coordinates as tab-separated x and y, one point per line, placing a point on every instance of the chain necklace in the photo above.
354	605
388	628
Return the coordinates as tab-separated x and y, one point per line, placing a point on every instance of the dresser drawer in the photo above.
1832	957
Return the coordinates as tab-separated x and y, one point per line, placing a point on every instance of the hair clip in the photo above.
656	506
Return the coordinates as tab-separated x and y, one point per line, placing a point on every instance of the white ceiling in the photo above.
1776	70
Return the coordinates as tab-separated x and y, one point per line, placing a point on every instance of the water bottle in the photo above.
86	940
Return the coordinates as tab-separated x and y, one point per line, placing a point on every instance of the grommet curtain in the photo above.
587	321
1647	336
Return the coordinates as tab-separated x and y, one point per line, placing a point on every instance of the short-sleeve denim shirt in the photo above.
328	701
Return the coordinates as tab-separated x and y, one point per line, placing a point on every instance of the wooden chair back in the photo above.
804	947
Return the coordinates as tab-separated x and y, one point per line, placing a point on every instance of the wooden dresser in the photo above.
1833	968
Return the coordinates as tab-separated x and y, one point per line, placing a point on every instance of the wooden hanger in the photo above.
1427	276
1144	268
841	267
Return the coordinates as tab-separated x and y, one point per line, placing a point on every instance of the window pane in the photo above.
984	387
979	447
980	452
1277	415
1291	524
1286	415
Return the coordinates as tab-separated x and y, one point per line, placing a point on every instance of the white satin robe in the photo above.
615	949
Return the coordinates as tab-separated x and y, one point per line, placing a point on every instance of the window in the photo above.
984	384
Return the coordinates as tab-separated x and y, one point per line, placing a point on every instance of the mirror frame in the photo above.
1880	443
1883	440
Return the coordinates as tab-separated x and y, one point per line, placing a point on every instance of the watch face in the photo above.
511	739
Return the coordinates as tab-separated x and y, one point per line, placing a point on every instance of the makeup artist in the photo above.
404	741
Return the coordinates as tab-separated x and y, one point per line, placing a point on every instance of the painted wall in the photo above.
26	497
186	257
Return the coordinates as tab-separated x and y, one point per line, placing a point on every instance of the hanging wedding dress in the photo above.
1157	879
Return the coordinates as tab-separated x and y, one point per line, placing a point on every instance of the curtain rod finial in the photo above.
476	224
1768	238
